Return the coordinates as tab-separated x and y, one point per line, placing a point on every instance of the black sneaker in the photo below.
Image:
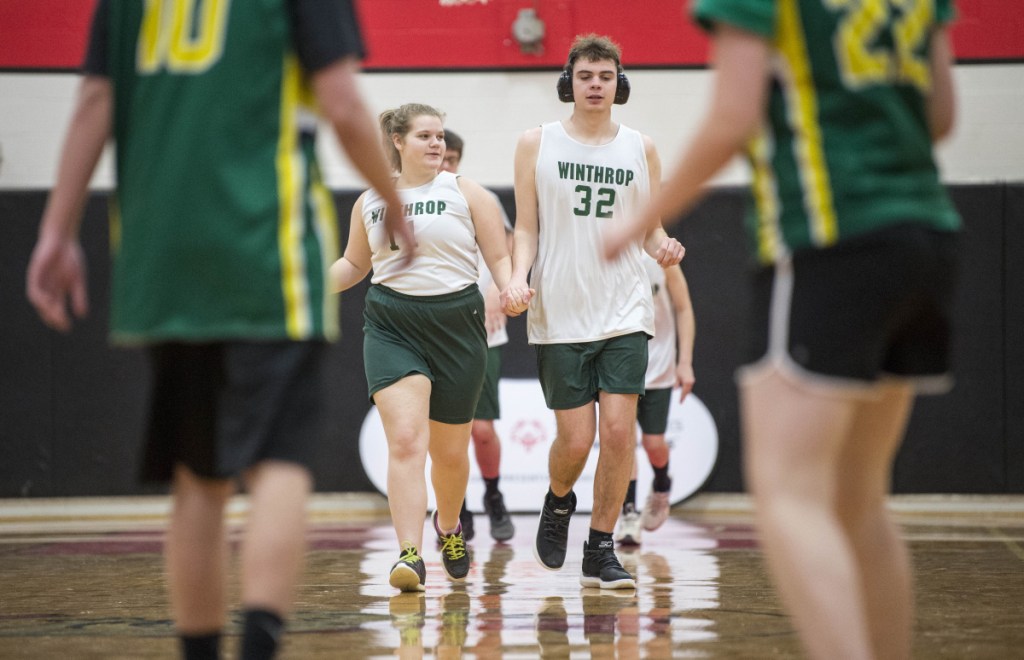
601	568
553	533
502	528
408	573
466	520
454	557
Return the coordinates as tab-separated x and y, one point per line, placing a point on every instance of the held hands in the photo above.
516	298
56	277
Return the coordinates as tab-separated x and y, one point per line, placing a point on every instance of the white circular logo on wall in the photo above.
527	429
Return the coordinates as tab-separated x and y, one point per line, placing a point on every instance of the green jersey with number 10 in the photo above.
221	226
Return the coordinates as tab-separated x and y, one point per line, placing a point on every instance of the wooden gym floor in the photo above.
83	579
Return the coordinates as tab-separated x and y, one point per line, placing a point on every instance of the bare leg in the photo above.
794	437
656	449
404	409
487	447
569	452
449	470
616	460
195	552
275	538
880	553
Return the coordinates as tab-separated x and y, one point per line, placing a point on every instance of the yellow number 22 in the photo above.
863	61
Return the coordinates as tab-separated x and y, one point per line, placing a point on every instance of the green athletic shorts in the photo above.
571	375
488	406
441	337
652	411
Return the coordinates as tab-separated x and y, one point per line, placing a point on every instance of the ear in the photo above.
396	140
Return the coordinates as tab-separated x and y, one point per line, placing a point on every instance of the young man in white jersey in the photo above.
590	319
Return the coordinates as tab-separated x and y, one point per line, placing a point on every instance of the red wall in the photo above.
420	34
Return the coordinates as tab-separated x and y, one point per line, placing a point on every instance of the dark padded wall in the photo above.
957	442
72	409
1013	335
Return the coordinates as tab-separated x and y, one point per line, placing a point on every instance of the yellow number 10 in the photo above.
180	37
864	63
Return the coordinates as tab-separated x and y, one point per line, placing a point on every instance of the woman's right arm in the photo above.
355	264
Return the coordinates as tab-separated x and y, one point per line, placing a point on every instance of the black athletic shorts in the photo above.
873	306
223	407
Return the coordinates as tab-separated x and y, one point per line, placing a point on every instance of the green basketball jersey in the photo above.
846	148
221	227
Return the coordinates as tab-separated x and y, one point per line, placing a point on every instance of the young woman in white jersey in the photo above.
590	320
425	345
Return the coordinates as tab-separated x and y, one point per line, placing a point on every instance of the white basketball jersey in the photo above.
581	191
446	250
661	351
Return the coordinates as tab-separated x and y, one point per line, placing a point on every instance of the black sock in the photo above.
559	502
600	540
261	633
491	486
630	496
662	482
201	647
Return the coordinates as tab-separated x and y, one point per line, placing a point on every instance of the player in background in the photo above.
486	443
670	365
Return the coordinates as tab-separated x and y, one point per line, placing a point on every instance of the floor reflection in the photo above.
702	592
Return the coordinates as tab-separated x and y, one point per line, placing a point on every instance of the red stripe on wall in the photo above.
44	34
421	34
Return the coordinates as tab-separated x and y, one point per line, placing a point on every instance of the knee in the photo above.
771	480
654	443
575	445
617	436
406	445
859	508
483	433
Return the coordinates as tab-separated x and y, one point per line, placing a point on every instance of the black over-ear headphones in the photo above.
564	86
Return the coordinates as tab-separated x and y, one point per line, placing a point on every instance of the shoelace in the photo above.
555	527
607	559
454	546
409	556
